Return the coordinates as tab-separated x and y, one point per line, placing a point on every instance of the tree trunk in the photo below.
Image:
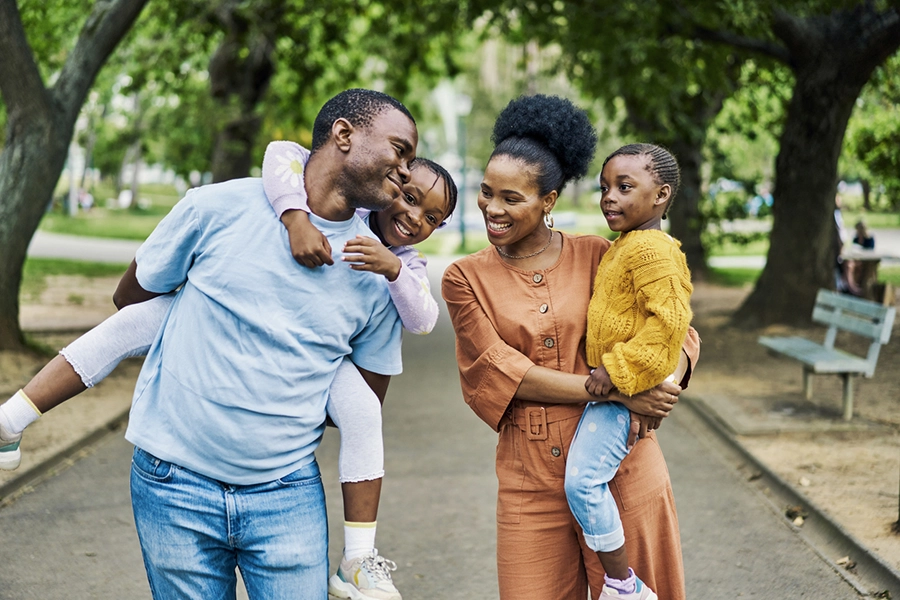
40	123
687	222
239	74
832	58
30	166
867	194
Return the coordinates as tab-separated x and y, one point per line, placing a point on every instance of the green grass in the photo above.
889	275
125	224
36	271
734	277
872	220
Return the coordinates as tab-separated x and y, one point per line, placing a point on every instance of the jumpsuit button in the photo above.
555	451
544	308
548	342
537	278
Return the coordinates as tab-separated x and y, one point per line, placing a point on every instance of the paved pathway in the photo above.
72	537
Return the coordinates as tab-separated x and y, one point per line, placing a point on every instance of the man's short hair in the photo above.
358	106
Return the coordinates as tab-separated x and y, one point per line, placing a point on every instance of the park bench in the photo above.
839	312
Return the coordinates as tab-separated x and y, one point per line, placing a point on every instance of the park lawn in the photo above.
36	271
106	222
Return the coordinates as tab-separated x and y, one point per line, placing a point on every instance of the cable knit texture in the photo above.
640	310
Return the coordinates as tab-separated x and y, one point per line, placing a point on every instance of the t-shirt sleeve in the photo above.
377	347
164	259
490	370
411	292
283	169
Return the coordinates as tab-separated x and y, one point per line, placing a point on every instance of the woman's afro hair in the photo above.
556	123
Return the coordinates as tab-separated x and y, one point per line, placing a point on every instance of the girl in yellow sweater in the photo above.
638	317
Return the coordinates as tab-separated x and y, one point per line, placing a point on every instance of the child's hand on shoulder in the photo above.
598	383
368	254
309	246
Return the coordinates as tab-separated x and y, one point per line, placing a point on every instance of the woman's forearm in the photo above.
541	384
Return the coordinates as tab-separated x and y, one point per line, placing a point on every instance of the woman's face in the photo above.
512	207
415	215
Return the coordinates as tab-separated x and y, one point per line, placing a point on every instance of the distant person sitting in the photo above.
863	238
853	268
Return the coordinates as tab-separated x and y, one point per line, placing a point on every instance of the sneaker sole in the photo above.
339	588
10	460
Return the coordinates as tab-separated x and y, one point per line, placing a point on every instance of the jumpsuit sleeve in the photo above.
490	370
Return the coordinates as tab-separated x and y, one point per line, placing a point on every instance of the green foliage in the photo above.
872	147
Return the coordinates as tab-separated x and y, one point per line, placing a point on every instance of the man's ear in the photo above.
662	197
342	131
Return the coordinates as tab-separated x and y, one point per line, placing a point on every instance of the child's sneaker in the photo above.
641	592
10	455
368	576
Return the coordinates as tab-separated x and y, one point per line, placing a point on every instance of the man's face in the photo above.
378	164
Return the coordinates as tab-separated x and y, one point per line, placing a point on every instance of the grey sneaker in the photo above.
365	578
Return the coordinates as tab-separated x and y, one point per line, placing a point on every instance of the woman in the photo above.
519	308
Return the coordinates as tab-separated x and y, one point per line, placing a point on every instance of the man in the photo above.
230	403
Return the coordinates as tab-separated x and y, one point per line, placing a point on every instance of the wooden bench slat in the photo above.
817	357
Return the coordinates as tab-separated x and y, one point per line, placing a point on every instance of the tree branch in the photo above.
693	28
20	80
779	53
105	27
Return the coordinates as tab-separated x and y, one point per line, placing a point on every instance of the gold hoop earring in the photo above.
548	220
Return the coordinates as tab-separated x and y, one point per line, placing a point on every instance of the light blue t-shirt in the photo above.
235	385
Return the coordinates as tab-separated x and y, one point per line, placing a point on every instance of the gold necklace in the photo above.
516	257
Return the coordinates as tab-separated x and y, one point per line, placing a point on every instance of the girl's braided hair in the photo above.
549	132
450	191
662	165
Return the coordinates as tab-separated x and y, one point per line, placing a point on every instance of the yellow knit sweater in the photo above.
640	310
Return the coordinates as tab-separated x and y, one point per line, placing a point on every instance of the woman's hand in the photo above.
641	425
655	402
598	383
371	255
309	246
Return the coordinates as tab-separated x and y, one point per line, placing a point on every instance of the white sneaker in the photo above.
641	592
10	455
368	576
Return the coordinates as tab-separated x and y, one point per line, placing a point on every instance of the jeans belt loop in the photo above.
536	423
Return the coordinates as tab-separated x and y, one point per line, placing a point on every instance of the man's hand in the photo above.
367	254
599	383
309	246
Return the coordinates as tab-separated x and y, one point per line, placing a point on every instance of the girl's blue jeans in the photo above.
594	458
194	531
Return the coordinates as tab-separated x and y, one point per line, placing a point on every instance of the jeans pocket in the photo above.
308	475
149	467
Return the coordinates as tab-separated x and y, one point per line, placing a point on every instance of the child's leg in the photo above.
82	364
356	411
594	457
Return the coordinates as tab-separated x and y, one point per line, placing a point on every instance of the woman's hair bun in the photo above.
555	122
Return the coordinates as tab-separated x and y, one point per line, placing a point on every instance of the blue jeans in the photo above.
594	458
194	531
